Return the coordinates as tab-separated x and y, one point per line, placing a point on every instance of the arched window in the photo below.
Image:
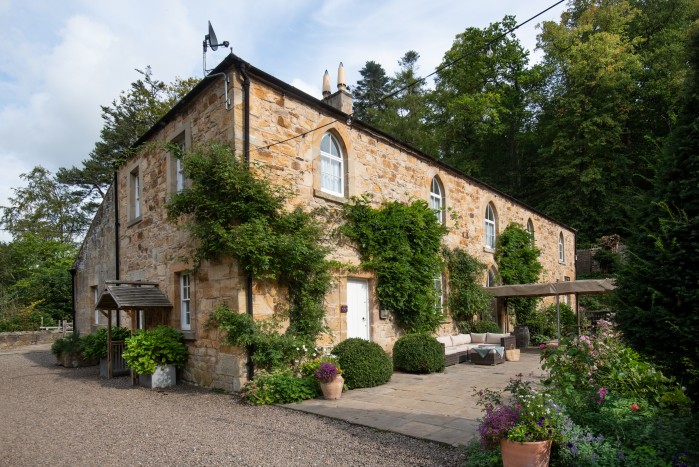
530	228
332	170
439	289
492	278
561	249
437	199
490	227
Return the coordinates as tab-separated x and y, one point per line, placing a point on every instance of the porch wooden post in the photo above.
110	357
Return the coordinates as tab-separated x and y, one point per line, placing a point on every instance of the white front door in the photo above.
358	308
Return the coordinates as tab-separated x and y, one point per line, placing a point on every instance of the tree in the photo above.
44	208
481	106
605	108
518	263
658	286
369	92
125	120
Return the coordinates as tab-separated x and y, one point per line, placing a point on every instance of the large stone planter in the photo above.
75	360
164	377
333	390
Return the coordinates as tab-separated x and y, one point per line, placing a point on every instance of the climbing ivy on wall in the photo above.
231	210
518	263
401	244
467	299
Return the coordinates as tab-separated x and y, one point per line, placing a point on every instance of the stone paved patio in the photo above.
438	407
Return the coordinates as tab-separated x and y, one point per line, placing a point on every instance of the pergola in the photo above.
131	297
581	287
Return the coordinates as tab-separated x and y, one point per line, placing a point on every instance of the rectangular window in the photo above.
141	320
438	287
177	169
96	297
135	193
331	170
185	303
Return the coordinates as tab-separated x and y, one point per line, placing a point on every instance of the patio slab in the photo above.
438	407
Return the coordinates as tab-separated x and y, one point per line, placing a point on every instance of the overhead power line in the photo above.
419	80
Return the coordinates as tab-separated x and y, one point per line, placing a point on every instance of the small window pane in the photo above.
331	166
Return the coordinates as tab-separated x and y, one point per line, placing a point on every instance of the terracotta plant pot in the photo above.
333	390
532	454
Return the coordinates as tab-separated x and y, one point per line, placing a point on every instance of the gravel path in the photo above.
50	415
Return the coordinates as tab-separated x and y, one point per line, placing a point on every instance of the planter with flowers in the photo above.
523	425
331	381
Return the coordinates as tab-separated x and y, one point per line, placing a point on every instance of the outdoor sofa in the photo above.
456	348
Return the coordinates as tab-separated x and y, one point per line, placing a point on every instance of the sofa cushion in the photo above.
478	338
461	339
493	338
446	340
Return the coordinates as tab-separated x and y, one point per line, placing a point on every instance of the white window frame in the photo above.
185	302
329	180
438	284
141	320
96	297
489	226
530	228
135	193
491	278
561	249
180	179
437	199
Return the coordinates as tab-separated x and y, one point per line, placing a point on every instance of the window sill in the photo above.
189	335
487	249
329	197
134	221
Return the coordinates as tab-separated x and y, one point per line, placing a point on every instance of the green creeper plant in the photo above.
467	299
401	244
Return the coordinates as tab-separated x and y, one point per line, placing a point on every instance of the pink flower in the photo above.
634	408
602	392
542	346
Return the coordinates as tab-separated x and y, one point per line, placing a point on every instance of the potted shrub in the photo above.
331	380
95	346
524	427
69	352
154	354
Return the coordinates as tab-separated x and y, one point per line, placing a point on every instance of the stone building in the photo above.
130	238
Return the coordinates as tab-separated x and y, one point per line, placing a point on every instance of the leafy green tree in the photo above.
44	208
125	120
369	91
658	286
518	263
613	70
468	299
482	109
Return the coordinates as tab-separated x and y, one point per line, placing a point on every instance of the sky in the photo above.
61	60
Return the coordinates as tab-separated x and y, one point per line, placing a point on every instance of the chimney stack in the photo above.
341	99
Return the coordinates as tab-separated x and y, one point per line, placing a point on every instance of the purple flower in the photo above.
327	372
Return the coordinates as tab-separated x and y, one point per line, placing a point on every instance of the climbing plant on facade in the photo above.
401	244
518	263
467	299
231	210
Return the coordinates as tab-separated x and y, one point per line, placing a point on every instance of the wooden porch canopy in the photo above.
132	297
582	287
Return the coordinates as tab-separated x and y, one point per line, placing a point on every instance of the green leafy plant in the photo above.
145	350
231	210
95	344
467	299
401	244
364	364
279	387
486	325
518	263
544	321
71	343
418	353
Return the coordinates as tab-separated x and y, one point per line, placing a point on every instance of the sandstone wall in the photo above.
9	340
155	249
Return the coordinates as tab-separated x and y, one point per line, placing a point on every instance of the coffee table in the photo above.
487	355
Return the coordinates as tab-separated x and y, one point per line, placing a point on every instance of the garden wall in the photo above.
9	340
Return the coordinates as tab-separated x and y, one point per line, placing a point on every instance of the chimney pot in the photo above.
326	84
341	82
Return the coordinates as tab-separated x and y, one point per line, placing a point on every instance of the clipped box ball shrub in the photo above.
364	364
418	353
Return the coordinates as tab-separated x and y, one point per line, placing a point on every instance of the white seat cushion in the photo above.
446	340
478	338
461	339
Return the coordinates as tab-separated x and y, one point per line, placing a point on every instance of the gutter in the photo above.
246	157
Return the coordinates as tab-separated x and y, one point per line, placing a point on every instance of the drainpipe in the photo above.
246	156
115	184
72	288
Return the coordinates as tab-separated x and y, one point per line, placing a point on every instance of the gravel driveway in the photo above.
50	415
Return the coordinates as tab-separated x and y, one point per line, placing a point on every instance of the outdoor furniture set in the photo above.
478	348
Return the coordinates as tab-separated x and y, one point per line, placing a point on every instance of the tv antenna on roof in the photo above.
210	40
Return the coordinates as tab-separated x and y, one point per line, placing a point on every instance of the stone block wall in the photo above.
153	248
10	340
